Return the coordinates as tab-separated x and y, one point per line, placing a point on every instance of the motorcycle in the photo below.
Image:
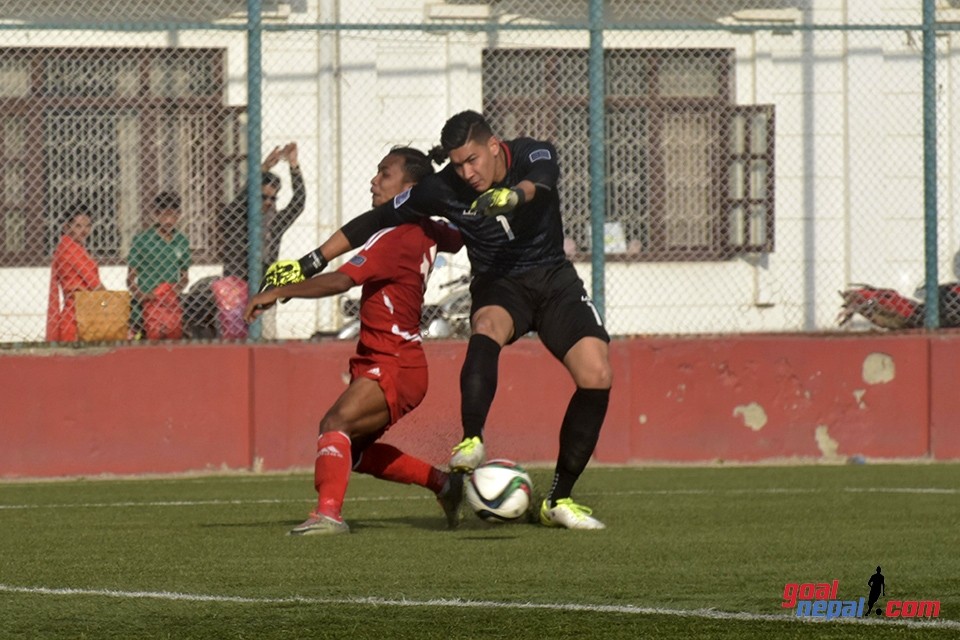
889	309
448	318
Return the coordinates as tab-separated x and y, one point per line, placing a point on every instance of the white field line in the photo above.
638	492
901	490
711	614
161	503
774	490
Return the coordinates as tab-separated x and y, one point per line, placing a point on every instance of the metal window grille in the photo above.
114	127
675	145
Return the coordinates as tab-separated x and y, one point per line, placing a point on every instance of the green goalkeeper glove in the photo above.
281	273
285	272
494	202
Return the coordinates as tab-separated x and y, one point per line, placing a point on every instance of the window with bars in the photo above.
111	128
689	174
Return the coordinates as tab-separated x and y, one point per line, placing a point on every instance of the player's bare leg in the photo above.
358	416
359	410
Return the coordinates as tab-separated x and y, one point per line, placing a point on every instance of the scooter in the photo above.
448	318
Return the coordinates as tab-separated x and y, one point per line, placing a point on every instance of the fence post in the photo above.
598	187
932	298
254	116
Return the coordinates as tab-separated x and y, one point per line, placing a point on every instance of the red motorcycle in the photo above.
889	309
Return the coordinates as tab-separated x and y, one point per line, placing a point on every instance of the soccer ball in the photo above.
499	491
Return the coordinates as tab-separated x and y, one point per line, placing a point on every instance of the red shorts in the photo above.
403	387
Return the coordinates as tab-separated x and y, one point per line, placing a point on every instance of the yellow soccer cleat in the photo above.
569	515
467	456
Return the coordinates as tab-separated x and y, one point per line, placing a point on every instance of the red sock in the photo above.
389	463
331	472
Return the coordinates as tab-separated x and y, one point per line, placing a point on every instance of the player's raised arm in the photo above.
495	202
537	164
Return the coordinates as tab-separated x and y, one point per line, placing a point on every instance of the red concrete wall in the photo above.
160	409
779	397
944	397
291	388
286	415
136	410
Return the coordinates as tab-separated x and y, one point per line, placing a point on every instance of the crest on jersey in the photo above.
539	154
358	260
400	198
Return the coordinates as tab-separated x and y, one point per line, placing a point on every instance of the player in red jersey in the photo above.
389	371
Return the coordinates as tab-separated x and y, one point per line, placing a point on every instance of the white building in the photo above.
758	157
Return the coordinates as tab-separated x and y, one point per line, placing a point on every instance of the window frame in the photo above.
551	106
149	106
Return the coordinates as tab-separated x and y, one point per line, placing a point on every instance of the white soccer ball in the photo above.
499	491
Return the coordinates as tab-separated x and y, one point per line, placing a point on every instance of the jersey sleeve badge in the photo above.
539	154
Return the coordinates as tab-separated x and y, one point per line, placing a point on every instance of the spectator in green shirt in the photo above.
160	254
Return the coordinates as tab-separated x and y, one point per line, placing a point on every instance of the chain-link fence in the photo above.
758	157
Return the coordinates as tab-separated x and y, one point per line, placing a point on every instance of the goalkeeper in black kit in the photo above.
503	197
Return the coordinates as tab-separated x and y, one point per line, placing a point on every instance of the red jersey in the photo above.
393	267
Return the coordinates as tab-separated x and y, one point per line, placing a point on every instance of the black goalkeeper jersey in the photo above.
530	236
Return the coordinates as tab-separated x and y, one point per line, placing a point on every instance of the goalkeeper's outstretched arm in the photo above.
284	272
351	235
318	259
321	286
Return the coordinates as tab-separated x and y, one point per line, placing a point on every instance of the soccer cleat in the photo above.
467	456
568	514
450	499
319	524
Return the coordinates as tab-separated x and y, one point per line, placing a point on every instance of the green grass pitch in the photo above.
688	553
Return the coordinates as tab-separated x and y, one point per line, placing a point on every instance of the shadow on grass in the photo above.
476	529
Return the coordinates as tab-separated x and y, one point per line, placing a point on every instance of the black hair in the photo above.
270	179
166	200
458	131
76	209
416	164
437	155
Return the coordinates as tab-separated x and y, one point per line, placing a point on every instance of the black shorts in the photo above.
551	301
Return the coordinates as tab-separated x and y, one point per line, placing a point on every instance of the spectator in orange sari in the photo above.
72	270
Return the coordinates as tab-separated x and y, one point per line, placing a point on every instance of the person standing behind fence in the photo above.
235	246
234	240
159	261
71	270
